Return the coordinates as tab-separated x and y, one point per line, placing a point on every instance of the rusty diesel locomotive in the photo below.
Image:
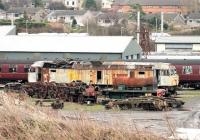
80	81
127	79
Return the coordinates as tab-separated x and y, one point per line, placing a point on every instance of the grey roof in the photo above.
22	10
151	2
194	16
6	29
67	12
84	44
179	39
111	15
167	16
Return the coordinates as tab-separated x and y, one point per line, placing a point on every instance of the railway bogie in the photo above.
145	103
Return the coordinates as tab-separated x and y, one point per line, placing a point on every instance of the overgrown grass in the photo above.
186	95
78	107
69	106
20	120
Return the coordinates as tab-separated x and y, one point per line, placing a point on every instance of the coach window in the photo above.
26	68
0	67
187	70
12	68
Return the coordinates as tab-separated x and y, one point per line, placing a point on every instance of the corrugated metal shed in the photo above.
179	39
87	44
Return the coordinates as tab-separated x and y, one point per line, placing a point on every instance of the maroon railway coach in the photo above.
14	70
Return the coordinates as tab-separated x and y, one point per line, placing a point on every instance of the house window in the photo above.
126	57
72	2
131	56
16	15
106	21
67	2
138	56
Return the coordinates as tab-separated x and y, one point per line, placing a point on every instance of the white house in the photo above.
37	14
2	14
107	4
107	19
67	15
193	20
73	4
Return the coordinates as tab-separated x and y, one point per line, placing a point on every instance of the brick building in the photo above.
151	6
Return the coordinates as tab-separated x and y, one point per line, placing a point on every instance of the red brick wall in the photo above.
158	9
151	9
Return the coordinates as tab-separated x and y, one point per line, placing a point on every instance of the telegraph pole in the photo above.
138	27
162	18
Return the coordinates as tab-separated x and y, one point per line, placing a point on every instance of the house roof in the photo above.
179	39
86	44
66	12
2	11
194	16
111	15
150	2
4	30
167	16
22	10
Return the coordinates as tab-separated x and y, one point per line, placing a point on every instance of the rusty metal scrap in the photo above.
146	103
73	92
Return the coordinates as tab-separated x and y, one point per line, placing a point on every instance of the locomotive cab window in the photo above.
165	72
12	68
32	69
53	70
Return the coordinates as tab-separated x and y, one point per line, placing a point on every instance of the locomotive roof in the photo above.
101	64
2	61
